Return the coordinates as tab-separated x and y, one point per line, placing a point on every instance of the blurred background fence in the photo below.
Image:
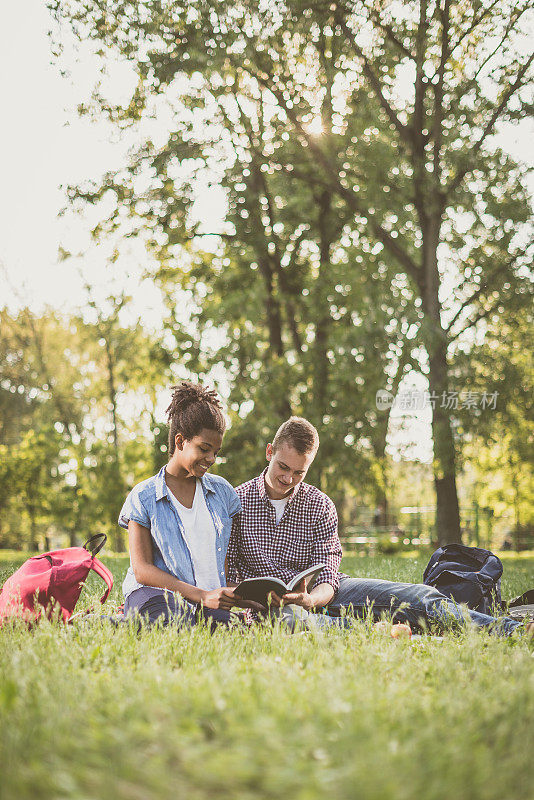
371	530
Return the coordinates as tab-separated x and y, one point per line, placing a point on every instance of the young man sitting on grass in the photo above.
286	526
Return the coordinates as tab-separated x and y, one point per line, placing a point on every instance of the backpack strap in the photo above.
95	543
105	574
523	600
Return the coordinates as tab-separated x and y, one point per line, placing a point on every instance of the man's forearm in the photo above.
321	594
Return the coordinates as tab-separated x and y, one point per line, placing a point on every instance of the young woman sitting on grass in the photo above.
179	521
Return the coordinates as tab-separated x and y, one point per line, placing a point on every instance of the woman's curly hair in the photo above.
193	408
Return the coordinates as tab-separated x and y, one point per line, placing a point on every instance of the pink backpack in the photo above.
53	580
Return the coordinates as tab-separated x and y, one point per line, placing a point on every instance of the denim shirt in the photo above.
150	505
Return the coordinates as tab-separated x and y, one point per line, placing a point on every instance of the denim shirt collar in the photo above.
162	490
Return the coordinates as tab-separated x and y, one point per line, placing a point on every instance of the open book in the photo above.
258	588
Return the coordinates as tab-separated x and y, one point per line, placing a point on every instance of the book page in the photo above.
310	574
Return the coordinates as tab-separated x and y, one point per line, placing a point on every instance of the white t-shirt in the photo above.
279	506
200	536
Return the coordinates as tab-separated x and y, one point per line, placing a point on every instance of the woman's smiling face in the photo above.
198	454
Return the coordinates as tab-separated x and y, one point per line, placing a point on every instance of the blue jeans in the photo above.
156	605
424	605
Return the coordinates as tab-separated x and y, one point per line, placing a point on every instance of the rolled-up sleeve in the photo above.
234	503
327	547
232	570
133	509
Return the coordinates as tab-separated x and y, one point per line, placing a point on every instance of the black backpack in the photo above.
468	575
521	607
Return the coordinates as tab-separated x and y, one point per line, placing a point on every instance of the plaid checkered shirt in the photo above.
306	535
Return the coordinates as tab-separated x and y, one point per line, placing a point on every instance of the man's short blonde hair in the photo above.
298	433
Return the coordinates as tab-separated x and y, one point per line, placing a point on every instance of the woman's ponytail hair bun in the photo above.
192	409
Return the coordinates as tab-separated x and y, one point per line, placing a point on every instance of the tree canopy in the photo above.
373	222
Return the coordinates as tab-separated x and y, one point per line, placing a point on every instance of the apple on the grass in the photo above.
382	626
401	631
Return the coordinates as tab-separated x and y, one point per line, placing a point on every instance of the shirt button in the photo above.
219	549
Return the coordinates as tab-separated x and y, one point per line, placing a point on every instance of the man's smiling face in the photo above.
286	469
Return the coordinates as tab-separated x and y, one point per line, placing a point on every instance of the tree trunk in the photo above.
117	477
321	365
379	442
381	497
112	393
34	544
447	508
267	267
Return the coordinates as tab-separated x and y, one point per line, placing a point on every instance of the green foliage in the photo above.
499	440
354	145
69	443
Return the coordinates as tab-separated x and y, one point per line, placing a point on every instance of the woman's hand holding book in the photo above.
225	598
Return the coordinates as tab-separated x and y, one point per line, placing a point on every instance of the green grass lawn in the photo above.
91	713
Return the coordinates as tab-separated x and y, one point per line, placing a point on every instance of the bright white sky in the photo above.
44	146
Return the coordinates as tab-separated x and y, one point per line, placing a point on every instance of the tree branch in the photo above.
312	177
420	50
437	130
388	30
40	349
292	322
384	236
489	126
220	234
296	247
480	316
476	22
481	289
230	126
510	26
371	76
